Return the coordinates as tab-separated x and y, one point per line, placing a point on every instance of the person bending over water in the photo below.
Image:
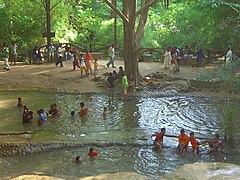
159	139
214	144
183	141
83	110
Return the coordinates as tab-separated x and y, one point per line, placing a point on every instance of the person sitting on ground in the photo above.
194	143
183	141
19	104
159	139
92	153
83	110
214	144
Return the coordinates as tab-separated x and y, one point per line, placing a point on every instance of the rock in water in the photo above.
209	171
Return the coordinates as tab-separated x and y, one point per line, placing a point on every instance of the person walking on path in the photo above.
6	56
174	56
51	52
89	62
14	53
111	52
167	58
199	57
228	57
59	55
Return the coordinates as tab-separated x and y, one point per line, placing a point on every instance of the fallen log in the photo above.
15	133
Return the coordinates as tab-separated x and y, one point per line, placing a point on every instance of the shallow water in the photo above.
132	121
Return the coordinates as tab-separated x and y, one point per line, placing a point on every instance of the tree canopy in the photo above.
197	23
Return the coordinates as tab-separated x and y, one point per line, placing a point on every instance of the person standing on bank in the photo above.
14	53
59	55
174	59
228	57
111	52
6	56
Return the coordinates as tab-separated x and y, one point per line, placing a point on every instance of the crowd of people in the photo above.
58	54
179	56
184	140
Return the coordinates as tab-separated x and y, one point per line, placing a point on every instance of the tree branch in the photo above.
231	6
146	6
55	4
114	8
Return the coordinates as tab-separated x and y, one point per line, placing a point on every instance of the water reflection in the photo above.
61	163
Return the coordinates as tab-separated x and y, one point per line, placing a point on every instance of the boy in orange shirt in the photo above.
195	147
183	141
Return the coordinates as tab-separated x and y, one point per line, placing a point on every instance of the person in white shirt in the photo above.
59	55
111	52
167	58
14	53
228	56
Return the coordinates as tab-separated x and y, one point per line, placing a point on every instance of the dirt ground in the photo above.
47	76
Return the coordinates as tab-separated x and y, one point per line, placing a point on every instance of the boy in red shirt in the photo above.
159	139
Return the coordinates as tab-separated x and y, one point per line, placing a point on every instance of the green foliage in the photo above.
228	75
197	23
230	121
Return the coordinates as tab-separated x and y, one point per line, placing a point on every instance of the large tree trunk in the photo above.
132	35
129	42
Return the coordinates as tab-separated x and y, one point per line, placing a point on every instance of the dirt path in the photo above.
48	77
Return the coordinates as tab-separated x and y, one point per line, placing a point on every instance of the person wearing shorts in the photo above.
183	141
159	139
194	143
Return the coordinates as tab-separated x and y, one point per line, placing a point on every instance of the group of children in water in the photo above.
184	140
53	112
42	116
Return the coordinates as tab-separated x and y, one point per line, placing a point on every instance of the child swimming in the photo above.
19	104
92	153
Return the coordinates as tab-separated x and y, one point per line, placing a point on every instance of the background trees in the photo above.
205	23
